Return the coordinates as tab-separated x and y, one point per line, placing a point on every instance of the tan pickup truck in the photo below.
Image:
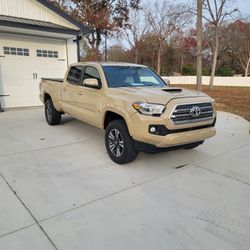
135	107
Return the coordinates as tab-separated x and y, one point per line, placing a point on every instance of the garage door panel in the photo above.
20	75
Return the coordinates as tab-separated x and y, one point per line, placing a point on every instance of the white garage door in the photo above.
24	61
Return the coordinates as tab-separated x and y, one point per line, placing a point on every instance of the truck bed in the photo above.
53	87
53	79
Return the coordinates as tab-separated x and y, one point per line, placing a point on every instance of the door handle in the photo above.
80	93
64	89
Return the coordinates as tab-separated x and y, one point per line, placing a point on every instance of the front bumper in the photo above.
186	137
177	136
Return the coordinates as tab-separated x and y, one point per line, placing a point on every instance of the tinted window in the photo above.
75	75
91	72
131	76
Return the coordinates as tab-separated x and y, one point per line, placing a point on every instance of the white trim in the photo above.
32	9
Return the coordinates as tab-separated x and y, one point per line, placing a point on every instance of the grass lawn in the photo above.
230	99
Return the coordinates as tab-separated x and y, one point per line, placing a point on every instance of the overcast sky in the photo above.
244	6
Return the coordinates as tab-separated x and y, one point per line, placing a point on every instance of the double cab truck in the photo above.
133	105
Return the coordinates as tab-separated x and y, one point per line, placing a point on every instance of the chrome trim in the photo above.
192	121
180	115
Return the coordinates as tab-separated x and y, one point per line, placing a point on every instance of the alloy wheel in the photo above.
49	112
116	142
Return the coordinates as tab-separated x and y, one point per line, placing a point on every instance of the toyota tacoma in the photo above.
137	110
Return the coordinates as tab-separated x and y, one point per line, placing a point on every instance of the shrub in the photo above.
224	70
188	70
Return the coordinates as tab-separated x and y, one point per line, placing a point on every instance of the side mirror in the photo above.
167	81
91	83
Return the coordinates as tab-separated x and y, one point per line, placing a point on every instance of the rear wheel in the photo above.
53	117
119	143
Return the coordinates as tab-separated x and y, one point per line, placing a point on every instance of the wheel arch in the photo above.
47	96
111	115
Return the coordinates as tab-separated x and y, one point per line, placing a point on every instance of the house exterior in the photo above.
37	40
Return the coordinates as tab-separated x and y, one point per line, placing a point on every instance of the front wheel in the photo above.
53	117
119	144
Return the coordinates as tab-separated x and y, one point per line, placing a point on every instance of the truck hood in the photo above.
156	95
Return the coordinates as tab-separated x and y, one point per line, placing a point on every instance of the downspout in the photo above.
78	38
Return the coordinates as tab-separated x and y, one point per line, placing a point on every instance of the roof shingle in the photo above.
34	24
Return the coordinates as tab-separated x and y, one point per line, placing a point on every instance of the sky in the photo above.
244	6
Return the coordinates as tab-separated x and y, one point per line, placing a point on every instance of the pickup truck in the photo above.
137	110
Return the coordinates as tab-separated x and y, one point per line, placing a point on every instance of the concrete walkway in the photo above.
60	190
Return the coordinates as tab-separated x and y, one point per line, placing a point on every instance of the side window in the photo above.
91	72
75	75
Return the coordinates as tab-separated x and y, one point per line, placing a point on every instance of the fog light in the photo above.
152	130
158	130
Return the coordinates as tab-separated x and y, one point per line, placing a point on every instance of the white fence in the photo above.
218	81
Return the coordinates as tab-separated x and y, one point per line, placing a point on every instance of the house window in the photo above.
16	51
47	53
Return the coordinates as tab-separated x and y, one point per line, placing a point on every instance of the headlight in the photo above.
149	108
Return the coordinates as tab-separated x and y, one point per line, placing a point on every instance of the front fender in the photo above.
123	113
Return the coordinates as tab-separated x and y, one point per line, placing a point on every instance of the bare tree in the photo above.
199	45
243	56
215	12
165	19
102	17
237	40
137	28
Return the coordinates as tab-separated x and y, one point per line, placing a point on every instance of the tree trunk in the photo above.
158	67
97	44
136	55
199	46
215	56
182	59
247	67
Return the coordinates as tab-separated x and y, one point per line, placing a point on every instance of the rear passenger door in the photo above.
88	99
70	90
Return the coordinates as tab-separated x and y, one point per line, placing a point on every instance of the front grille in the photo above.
190	113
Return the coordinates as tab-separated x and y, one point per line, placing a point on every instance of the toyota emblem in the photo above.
195	111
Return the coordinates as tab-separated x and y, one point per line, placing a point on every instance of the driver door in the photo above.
88	99
70	90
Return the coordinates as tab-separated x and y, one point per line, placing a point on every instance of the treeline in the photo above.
159	34
179	54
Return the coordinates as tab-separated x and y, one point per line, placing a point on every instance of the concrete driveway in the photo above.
60	190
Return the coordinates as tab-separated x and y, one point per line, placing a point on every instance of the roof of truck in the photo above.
117	64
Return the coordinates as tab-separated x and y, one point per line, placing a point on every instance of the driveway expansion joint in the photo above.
118	192
224	175
31	214
17	230
41	149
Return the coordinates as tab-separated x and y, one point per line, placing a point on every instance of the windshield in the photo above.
132	76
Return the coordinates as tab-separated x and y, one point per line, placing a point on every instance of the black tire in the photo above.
119	143
194	145
53	117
